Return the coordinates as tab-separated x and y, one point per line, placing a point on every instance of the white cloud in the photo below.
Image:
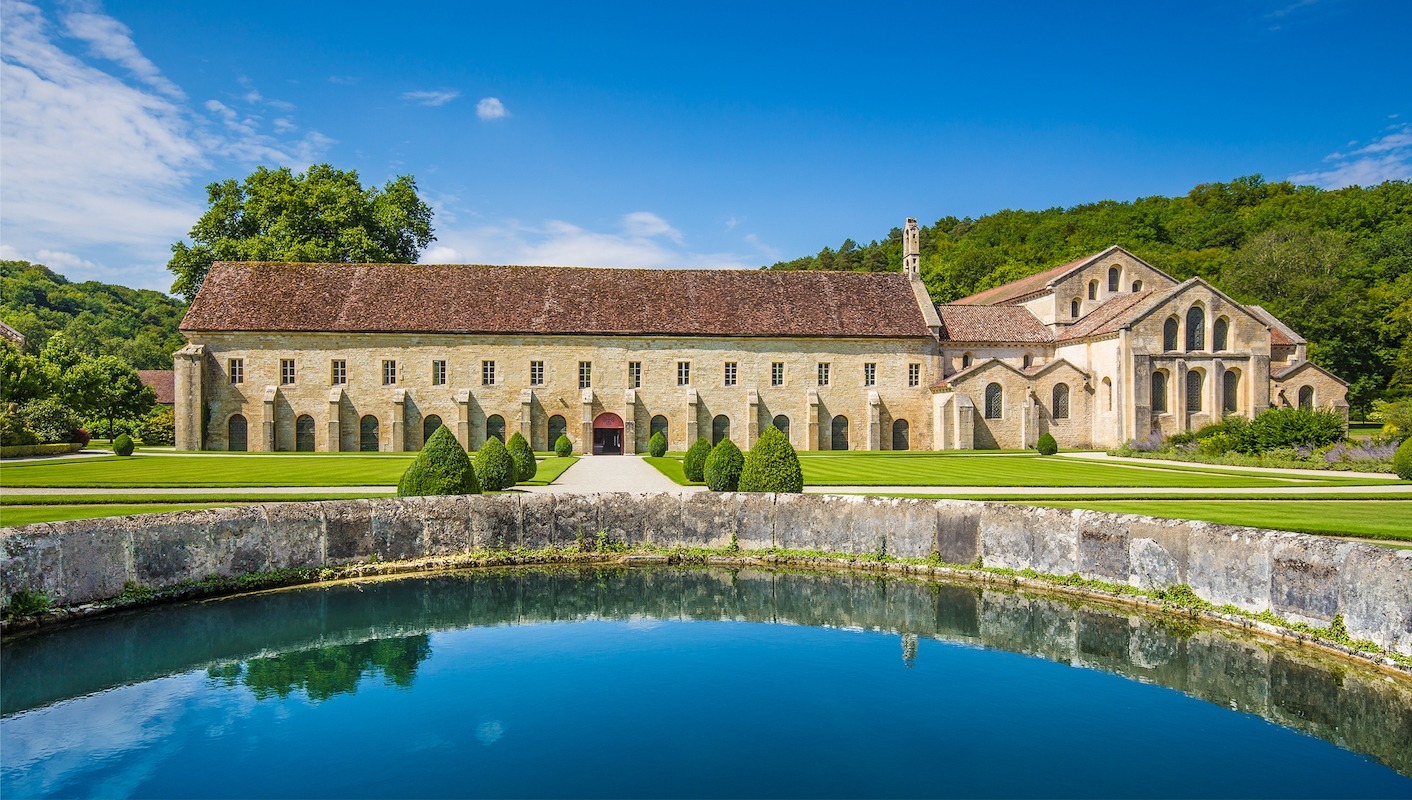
1386	158
645	224
107	38
431	98
491	108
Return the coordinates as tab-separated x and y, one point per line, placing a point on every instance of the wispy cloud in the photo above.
109	39
491	108
431	98
342	80
1386	158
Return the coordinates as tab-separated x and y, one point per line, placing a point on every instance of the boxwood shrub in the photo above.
723	465
694	465
494	467
1402	460
657	445
771	465
523	456
563	446
122	445
442	467
1046	445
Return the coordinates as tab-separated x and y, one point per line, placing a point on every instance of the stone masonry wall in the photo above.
1298	577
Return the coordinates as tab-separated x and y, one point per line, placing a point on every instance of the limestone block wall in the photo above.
1298	577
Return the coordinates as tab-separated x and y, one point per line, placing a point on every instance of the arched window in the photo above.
1195	329
1107	394
1113	277
236	434
1169	335
965	360
558	427
720	429
1028	360
901	435
1074	306
994	401
659	425
1195	381
1093	290
1230	392
840	434
1220	332
1306	398
1137	286
1159	392
368	434
495	426
1060	407
429	426
304	433
782	422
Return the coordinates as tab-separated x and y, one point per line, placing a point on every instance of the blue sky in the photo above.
668	135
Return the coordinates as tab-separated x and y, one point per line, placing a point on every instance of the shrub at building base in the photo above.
158	429
563	447
1402	460
523	456
694	465
494	466
1046	445
771	465
657	445
122	445
442	467
723	465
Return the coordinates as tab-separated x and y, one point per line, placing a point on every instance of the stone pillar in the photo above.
874	421
630	422
587	441
752	418
527	416
267	419
965	422
1142	397
692	432
335	419
463	417
399	420
811	415
1179	375
1217	389
1258	384
189	364
1029	419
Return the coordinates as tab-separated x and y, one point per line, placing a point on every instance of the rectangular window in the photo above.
236	369
777	373
286	371
634	374
389	373
487	373
338	373
536	373
585	374
870	374
683	373
438	373
730	373
914	374
823	373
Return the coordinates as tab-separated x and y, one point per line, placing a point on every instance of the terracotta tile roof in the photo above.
1037	282
1278	338
1111	316
427	298
162	381
991	324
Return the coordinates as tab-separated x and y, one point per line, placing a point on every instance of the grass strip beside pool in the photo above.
1373	519
28	515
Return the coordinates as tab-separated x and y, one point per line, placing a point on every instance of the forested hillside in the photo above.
137	325
1336	265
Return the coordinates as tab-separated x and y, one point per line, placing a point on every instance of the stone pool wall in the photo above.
1298	577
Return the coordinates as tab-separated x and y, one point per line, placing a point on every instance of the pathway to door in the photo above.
592	474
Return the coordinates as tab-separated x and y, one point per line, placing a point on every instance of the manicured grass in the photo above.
28	515
1362	430
550	469
1378	519
213	496
672	468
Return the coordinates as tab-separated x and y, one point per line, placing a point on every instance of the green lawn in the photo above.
27	515
1379	519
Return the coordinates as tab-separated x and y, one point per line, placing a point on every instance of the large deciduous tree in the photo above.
107	388
323	214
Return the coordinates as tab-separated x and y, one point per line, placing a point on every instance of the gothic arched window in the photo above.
994	401
1195	329
1060	406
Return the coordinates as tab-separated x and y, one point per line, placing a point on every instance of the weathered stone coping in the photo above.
1297	577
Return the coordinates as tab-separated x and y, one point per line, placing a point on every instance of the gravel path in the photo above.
593	474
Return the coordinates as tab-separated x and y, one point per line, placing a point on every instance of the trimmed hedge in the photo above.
1046	445
523	456
20	450
494	466
442	467
657	445
123	445
564	447
723	466
1402	460
159	428
771	465
694	465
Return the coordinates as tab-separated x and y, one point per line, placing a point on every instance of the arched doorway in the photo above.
368	434
720	429
429	426
304	433
495	427
557	427
901	435
236	434
782	422
608	435
840	434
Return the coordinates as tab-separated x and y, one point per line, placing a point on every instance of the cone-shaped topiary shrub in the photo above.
442	467
1046	445
694	465
771	465
1402	460
494	466
657	445
723	466
563	447
523	456
122	445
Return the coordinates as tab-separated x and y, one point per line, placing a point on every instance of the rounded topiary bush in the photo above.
563	447
494	467
1402	460
723	465
442	467
657	445
771	465
1046	445
694	465
523	456
122	445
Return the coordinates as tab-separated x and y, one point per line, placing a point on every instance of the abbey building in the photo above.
330	357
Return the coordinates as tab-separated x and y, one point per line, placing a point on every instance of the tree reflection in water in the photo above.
323	672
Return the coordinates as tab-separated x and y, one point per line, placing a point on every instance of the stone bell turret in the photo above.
911	250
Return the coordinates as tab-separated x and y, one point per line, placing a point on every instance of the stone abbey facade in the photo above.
340	357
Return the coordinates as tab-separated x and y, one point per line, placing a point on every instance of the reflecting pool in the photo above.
682	682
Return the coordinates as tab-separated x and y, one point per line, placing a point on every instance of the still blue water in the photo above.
671	683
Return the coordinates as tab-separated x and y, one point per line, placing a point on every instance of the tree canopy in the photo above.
321	215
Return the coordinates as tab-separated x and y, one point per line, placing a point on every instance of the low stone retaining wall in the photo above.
1297	577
